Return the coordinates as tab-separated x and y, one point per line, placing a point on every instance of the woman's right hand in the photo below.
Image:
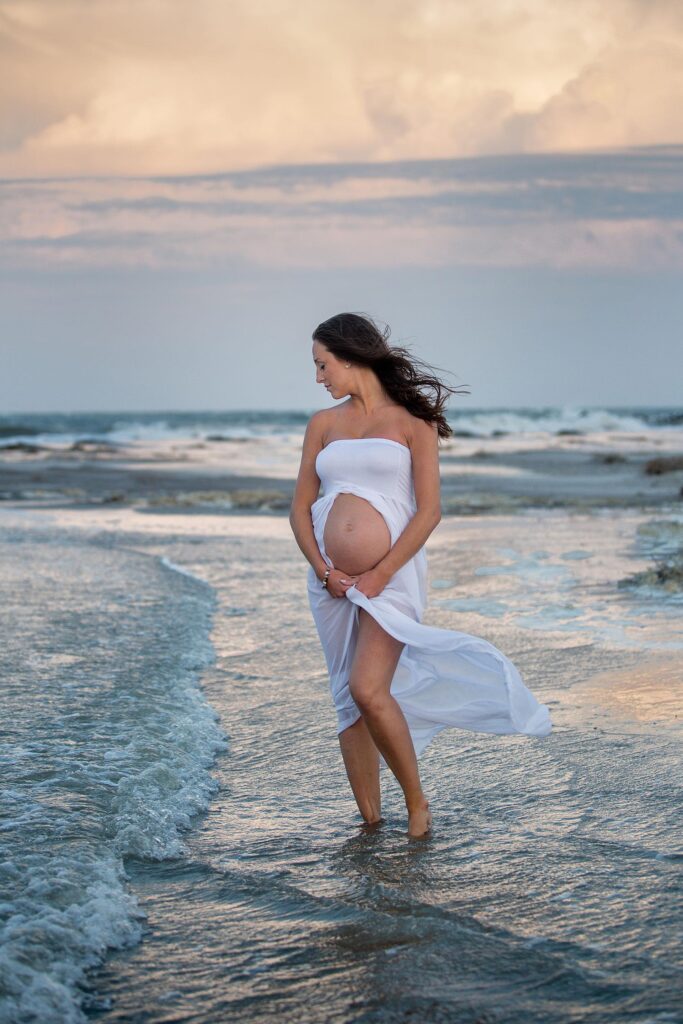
338	582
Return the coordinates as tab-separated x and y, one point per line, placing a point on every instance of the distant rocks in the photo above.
611	458
470	433
85	444
664	464
666	576
663	539
232	440
22	446
241	499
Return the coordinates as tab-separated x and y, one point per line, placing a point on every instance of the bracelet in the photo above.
324	582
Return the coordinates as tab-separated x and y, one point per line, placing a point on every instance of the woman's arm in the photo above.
306	492
425	457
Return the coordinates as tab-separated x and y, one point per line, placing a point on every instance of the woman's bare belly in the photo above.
356	537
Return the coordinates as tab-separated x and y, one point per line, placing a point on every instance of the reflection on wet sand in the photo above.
649	693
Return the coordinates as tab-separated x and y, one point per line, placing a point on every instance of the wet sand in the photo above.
648	694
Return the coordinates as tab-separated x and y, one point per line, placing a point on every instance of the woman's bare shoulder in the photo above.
422	436
323	421
417	429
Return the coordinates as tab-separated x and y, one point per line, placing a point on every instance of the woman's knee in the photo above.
367	696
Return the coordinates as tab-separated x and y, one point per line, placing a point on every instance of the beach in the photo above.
182	843
588	465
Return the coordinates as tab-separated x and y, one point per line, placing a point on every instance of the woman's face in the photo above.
330	371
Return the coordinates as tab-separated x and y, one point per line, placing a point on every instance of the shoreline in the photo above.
187	480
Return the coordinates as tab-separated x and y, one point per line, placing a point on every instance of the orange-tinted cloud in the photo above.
136	87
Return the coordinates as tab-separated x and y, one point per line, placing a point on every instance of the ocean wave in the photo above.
72	909
112	745
64	429
567	419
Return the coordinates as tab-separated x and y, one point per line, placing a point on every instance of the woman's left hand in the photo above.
372	582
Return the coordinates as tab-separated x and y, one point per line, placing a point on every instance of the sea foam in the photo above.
111	741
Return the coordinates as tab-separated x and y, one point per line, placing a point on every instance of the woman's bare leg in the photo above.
372	671
361	759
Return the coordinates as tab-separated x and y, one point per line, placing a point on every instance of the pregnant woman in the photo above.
395	681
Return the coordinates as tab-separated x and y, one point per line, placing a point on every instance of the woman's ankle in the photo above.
418	803
371	813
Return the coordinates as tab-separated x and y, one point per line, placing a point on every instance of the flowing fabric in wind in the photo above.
444	678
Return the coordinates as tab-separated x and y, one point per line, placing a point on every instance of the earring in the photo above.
347	364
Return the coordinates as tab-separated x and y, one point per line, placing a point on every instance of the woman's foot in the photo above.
420	821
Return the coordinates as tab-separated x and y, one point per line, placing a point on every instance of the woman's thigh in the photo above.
375	658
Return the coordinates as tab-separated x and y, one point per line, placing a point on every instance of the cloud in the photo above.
643	82
617	209
141	87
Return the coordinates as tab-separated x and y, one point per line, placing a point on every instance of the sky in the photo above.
187	190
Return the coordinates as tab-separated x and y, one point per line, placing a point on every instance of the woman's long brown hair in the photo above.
356	338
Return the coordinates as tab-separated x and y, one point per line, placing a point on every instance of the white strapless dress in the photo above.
443	677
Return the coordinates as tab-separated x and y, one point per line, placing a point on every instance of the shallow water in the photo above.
552	887
105	748
558	573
